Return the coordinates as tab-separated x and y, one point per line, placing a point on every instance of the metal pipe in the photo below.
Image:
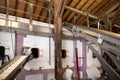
31	16
80	12
7	12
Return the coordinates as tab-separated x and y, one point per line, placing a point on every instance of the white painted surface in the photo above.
8	41
43	44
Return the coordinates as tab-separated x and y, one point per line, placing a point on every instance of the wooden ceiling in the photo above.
105	9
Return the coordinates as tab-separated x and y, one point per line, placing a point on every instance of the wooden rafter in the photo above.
107	5
72	4
16	7
87	9
117	14
101	5
80	9
35	7
71	15
43	13
112	8
25	9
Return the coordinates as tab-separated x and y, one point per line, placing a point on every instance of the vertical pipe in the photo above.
49	49
84	66
98	25
7	12
88	20
77	63
31	17
74	59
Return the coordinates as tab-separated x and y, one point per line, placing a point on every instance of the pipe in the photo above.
81	12
50	49
31	17
7	12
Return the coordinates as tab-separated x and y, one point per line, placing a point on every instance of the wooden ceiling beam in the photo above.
117	14
72	4
78	5
35	7
79	9
70	18
101	9
25	9
16	7
81	20
112	8
40	11
44	13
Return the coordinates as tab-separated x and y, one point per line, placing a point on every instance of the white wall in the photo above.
8	40
43	44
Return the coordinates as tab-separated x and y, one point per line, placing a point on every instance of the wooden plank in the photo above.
89	4
98	6
103	8
40	10
25	9
16	7
112	8
117	14
73	3
35	7
21	7
80	9
89	10
77	7
44	13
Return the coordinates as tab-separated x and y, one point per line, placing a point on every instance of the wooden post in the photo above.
58	11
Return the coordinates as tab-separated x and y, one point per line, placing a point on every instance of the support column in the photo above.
58	11
84	66
58	48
